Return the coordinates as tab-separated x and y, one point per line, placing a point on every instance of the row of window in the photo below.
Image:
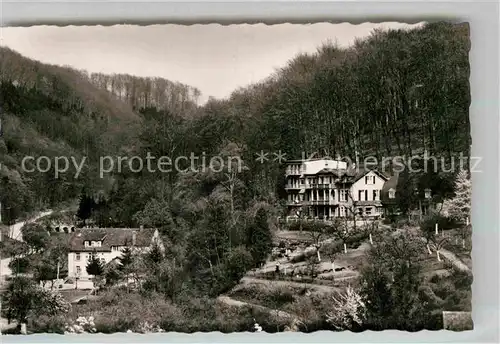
319	196
369	180
87	243
293	169
363	195
89	256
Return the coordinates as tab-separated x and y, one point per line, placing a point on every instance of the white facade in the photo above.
314	166
324	189
366	193
78	260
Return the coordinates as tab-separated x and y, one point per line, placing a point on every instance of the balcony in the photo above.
293	187
293	172
324	202
319	186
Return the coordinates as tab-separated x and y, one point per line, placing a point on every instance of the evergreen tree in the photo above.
259	238
85	206
459	206
126	259
155	255
406	191
94	266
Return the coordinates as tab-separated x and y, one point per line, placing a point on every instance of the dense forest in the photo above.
384	96
395	93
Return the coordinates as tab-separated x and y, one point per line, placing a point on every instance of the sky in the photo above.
215	59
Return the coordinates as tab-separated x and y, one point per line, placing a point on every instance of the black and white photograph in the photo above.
235	178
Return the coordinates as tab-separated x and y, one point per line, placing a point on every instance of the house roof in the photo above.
110	237
392	183
326	170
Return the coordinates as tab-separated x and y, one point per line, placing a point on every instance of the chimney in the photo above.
134	238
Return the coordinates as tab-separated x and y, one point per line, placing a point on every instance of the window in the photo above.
366	195
302	181
427	193
77	256
368	211
360	195
78	270
369	180
392	193
344	195
86	243
376	195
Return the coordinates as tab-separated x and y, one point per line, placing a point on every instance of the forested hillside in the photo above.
385	96
57	111
395	93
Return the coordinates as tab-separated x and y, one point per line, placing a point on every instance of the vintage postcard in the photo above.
256	178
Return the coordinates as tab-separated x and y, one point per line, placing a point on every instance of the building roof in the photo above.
335	171
392	183
358	173
110	237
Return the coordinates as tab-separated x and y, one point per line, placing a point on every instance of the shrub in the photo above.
47	324
444	223
356	239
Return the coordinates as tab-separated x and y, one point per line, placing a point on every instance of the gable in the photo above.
370	179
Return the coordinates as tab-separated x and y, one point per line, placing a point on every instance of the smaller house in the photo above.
107	244
389	196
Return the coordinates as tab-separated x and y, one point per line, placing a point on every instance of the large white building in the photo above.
324	189
107	244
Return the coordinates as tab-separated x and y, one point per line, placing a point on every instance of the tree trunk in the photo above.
211	268
438	256
319	256
23	328
371	239
463	243
429	249
345	248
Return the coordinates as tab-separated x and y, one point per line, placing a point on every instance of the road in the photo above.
15	229
15	233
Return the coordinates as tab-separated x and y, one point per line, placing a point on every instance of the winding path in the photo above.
450	256
315	287
232	302
15	233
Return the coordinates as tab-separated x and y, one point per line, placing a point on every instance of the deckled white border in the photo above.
484	58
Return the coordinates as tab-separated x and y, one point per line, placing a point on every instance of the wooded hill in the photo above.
395	93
